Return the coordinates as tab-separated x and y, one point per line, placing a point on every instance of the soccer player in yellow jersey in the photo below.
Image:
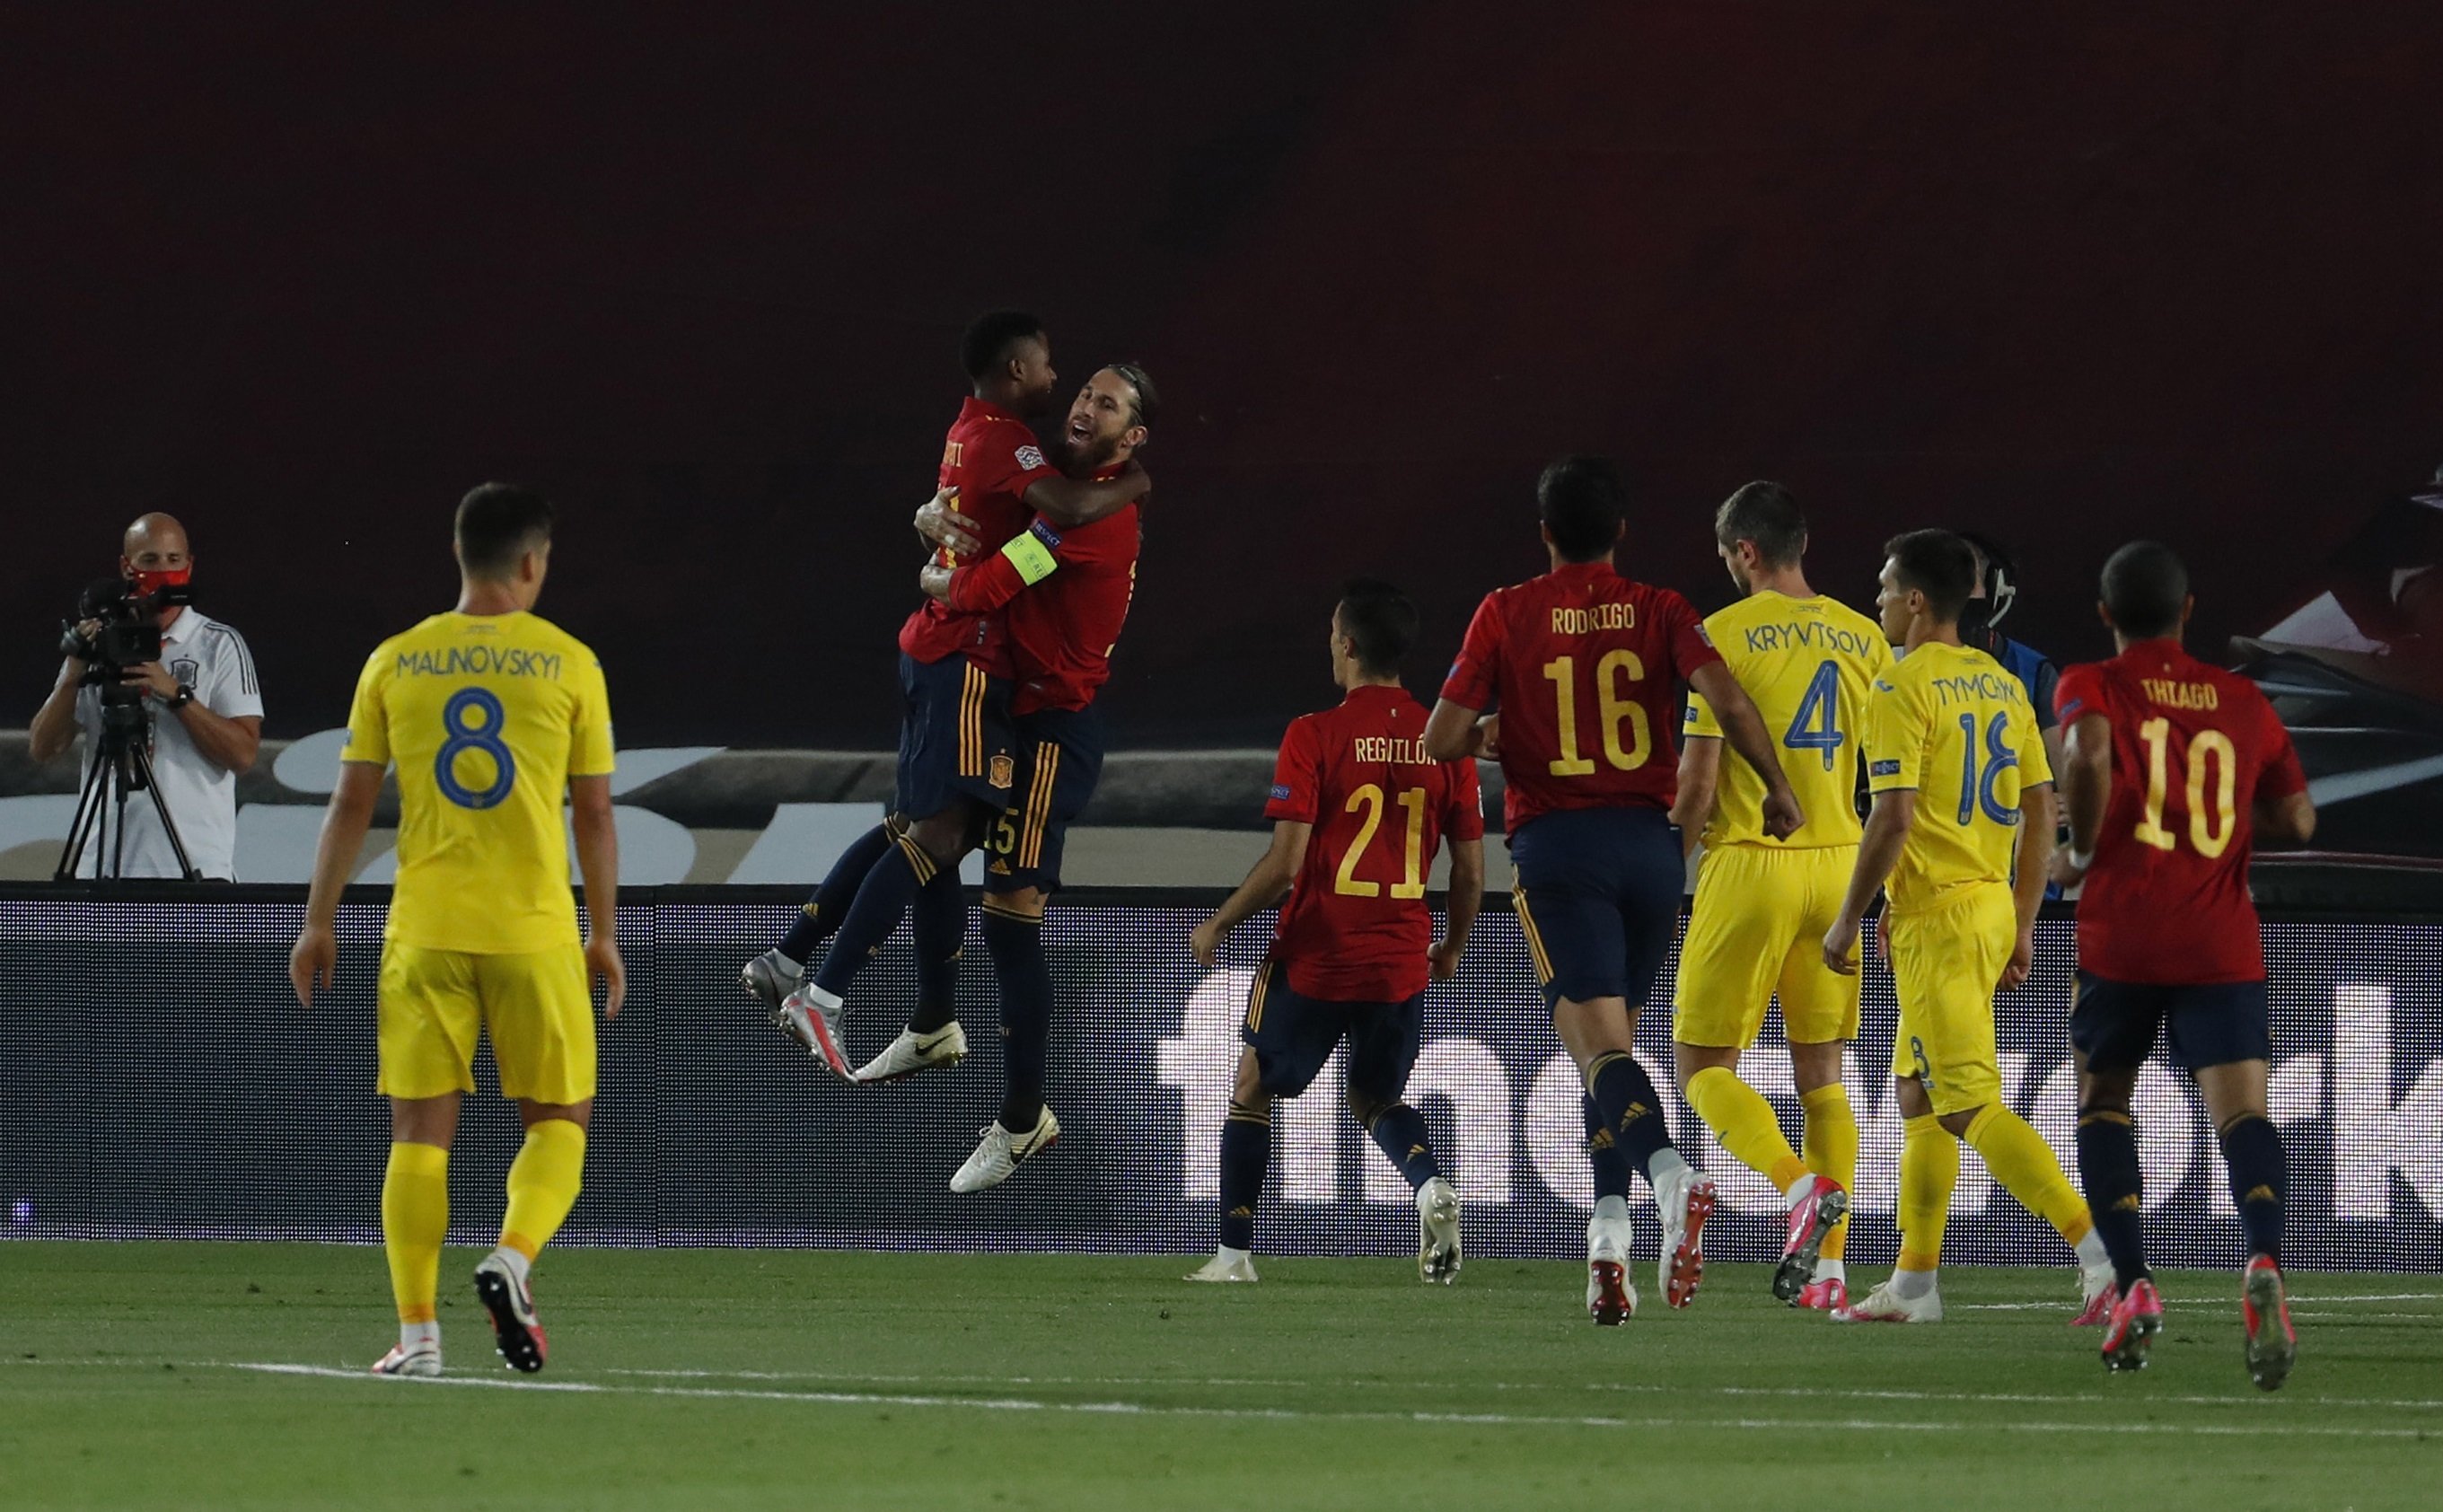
490	715
1763	905
1960	783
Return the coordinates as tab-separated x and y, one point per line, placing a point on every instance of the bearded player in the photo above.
1358	811
1762	904
2172	771
1063	596
1961	827
957	752
1583	666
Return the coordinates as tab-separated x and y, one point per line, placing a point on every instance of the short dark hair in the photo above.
498	522
987	343
1583	502
1765	513
2145	587
1937	564
1379	622
1139	380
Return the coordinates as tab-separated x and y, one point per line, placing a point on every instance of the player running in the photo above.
1358	811
1762	904
490	715
956	753
1950	726
1063	596
1583	665
2174	770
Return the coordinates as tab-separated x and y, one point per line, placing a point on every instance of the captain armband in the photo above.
1031	557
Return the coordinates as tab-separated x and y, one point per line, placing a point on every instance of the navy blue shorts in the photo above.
1292	1036
1059	759
2115	1022
1598	896
954	737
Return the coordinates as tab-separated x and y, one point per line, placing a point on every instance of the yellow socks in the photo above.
1831	1149
2027	1169
416	1215
1929	1168
1743	1121
543	1181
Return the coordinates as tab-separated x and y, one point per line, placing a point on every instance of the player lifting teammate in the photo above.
1064	596
2172	770
491	715
1583	665
1762	906
956	753
1358	812
1959	777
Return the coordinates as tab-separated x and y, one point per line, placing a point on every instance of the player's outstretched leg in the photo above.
1830	1148
775	975
1247	1151
543	1184
811	1015
933	1039
2027	1169
1747	1127
416	1215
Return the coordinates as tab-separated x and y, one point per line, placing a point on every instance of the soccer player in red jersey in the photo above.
1583	666
1063	595
1358	811
957	754
2172	771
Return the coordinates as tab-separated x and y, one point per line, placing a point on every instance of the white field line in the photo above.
1016	1404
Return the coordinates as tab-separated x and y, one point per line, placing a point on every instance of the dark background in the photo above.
2070	272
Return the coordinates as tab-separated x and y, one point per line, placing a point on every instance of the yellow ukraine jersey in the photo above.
1952	723
487	717
1807	664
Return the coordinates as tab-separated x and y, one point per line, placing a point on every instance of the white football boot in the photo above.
812	1017
1685	1201
1611	1297
423	1362
911	1053
999	1152
1228	1264
1438	1243
1884	1306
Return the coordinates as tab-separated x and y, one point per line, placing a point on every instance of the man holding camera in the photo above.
201	708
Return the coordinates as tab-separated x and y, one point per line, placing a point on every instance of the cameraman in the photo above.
202	703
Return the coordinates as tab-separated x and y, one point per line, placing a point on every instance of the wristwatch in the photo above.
185	695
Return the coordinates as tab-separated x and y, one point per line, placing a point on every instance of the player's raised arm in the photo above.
1265	886
314	962
1072	502
1744	729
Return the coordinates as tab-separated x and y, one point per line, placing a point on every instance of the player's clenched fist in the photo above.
1444	959
1781	814
1206	944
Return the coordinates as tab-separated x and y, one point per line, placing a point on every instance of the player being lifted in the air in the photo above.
1358	813
1960	779
2172	771
1762	906
1063	596
958	759
491	716
1583	666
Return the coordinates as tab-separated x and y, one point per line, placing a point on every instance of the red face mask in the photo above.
152	582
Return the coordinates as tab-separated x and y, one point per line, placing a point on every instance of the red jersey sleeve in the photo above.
2079	693
1297	776
984	586
2280	775
1684	630
1476	677
1005	459
1466	819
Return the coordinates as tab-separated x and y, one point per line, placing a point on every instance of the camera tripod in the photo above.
123	764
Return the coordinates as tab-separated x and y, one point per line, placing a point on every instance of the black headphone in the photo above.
2001	576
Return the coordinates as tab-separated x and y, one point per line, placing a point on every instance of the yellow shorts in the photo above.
1757	930
1946	961
538	1009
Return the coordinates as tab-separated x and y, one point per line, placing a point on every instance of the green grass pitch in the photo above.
194	1375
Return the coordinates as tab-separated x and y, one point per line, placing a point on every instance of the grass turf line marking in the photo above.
1016	1404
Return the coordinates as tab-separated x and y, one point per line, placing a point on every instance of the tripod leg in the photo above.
162	807
81	828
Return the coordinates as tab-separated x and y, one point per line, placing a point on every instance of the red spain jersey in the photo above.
991	458
1585	667
2194	747
1062	629
1355	928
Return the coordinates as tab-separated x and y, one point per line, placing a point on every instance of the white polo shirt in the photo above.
211	658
